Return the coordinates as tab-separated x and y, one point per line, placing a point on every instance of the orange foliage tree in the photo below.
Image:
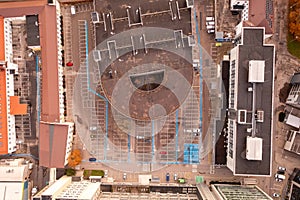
74	158
294	18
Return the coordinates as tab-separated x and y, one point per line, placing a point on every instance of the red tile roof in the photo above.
50	95
52	144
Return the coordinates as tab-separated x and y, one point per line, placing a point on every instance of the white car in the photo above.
93	128
276	195
280	177
281	168
34	190
175	177
210	19
210	27
210	31
210	23
73	10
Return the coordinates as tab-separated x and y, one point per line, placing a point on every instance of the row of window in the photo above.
230	138
232	85
295	90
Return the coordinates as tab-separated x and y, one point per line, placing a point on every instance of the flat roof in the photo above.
293	120
59	184
10	190
21	8
49	90
17	108
154	195
154	14
52	142
48	35
296	78
33	33
232	192
13	173
253	48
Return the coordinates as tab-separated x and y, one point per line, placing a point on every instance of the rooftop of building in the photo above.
13	173
79	190
21	8
3	114
147	196
48	35
52	142
33	34
296	78
67	188
261	14
153	14
232	192
254	49
12	190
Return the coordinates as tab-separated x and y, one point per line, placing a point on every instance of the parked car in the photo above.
105	173
124	176
93	136
34	190
276	195
280	172
210	19
69	64
73	10
92	159
181	180
175	177
281	168
210	23
279	177
210	31
210	27
278	180
93	128
167	177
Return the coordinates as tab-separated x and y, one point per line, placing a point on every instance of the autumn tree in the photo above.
294	18
74	158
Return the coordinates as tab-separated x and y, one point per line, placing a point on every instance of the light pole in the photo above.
296	37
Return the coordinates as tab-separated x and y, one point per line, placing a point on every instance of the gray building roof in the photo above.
33	33
253	48
296	78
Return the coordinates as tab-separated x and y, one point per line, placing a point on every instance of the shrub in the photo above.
70	172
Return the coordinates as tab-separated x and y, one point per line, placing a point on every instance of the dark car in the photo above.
92	159
167	177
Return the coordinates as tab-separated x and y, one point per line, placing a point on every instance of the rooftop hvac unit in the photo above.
95	17
254	148
97	55
260	116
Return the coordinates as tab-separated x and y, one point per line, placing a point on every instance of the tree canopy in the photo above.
294	18
74	158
